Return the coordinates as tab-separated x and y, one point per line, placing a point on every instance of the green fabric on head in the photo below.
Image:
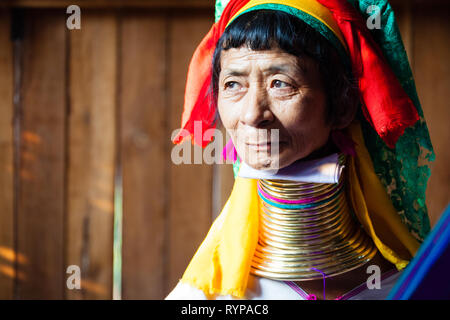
405	170
220	5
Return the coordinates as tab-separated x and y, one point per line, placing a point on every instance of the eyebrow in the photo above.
270	70
298	68
277	69
235	72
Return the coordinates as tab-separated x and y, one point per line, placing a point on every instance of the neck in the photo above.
307	232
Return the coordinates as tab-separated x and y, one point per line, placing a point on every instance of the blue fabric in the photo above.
427	275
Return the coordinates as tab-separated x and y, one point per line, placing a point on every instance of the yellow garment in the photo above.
311	7
374	208
222	263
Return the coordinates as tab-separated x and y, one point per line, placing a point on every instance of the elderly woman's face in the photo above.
264	90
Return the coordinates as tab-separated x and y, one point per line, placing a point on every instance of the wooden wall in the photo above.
87	113
425	28
79	108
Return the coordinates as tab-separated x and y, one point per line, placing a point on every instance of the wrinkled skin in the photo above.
264	90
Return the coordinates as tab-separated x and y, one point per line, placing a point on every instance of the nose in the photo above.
256	111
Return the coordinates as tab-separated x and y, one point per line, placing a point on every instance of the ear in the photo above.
346	111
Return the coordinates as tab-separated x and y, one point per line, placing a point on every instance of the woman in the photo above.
305	89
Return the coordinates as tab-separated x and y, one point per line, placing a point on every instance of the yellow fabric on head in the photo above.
311	7
222	263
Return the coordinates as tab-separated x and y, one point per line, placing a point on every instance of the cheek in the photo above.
305	122
227	113
230	120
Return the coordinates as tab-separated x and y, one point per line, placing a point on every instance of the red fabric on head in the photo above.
385	104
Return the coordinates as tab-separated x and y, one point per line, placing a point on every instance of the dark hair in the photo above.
268	29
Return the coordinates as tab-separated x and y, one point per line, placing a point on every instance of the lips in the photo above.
263	146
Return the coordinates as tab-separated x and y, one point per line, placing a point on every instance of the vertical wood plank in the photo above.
143	139
7	250
91	159
190	206
404	15
40	213
432	74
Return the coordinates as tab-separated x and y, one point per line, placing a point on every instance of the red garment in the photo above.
385	104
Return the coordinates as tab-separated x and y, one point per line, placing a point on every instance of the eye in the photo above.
280	84
232	85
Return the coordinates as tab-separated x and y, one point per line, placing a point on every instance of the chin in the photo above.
264	163
262	159
276	163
